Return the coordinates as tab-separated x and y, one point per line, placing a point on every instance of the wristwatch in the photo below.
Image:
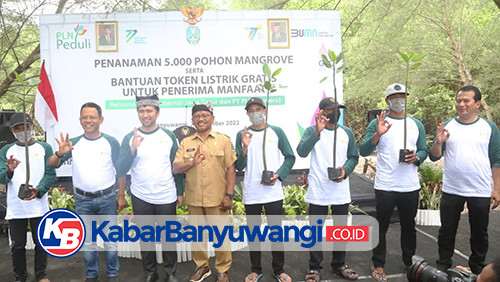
57	155
230	195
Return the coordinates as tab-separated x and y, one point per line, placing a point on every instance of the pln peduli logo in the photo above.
61	233
70	41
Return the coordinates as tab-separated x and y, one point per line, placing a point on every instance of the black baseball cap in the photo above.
255	100
329	103
18	118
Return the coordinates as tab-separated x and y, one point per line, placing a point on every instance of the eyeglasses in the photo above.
89	117
202	116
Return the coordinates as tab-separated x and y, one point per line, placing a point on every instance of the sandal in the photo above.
253	278
283	277
347	272
312	276
378	276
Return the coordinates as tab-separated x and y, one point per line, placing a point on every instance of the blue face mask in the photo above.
397	104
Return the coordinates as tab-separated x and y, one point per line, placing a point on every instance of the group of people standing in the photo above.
201	171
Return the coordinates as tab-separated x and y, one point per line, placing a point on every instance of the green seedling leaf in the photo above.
332	56
56	193
322	80
266	69
411	54
404	56
278	71
272	90
415	66
18	77
339	57
418	58
339	69
326	62
268	85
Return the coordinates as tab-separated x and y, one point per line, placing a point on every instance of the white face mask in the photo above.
24	138
397	104
257	118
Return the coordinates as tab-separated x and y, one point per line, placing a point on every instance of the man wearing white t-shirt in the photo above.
322	192
257	195
21	212
471	148
396	183
149	152
94	157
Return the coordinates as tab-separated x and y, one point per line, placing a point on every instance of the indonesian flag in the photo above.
45	102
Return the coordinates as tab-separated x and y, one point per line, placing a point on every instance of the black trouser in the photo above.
450	209
18	229
321	212
149	257
407	203
275	209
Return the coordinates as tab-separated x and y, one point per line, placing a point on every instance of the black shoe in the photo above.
151	277
93	279
171	278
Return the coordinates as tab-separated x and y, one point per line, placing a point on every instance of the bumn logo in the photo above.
61	233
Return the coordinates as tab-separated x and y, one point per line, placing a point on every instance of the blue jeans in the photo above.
102	205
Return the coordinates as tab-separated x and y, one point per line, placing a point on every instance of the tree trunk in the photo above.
462	67
497	2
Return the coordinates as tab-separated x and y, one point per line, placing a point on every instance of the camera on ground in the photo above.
421	271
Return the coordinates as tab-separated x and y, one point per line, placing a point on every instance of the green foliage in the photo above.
332	61
61	199
268	85
430	173
431	179
412	60
429	197
372	32
183	210
294	203
432	106
383	29
128	205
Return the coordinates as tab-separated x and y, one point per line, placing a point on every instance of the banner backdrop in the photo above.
185	57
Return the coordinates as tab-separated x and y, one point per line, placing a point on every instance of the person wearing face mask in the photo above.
30	210
257	195
322	193
396	184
